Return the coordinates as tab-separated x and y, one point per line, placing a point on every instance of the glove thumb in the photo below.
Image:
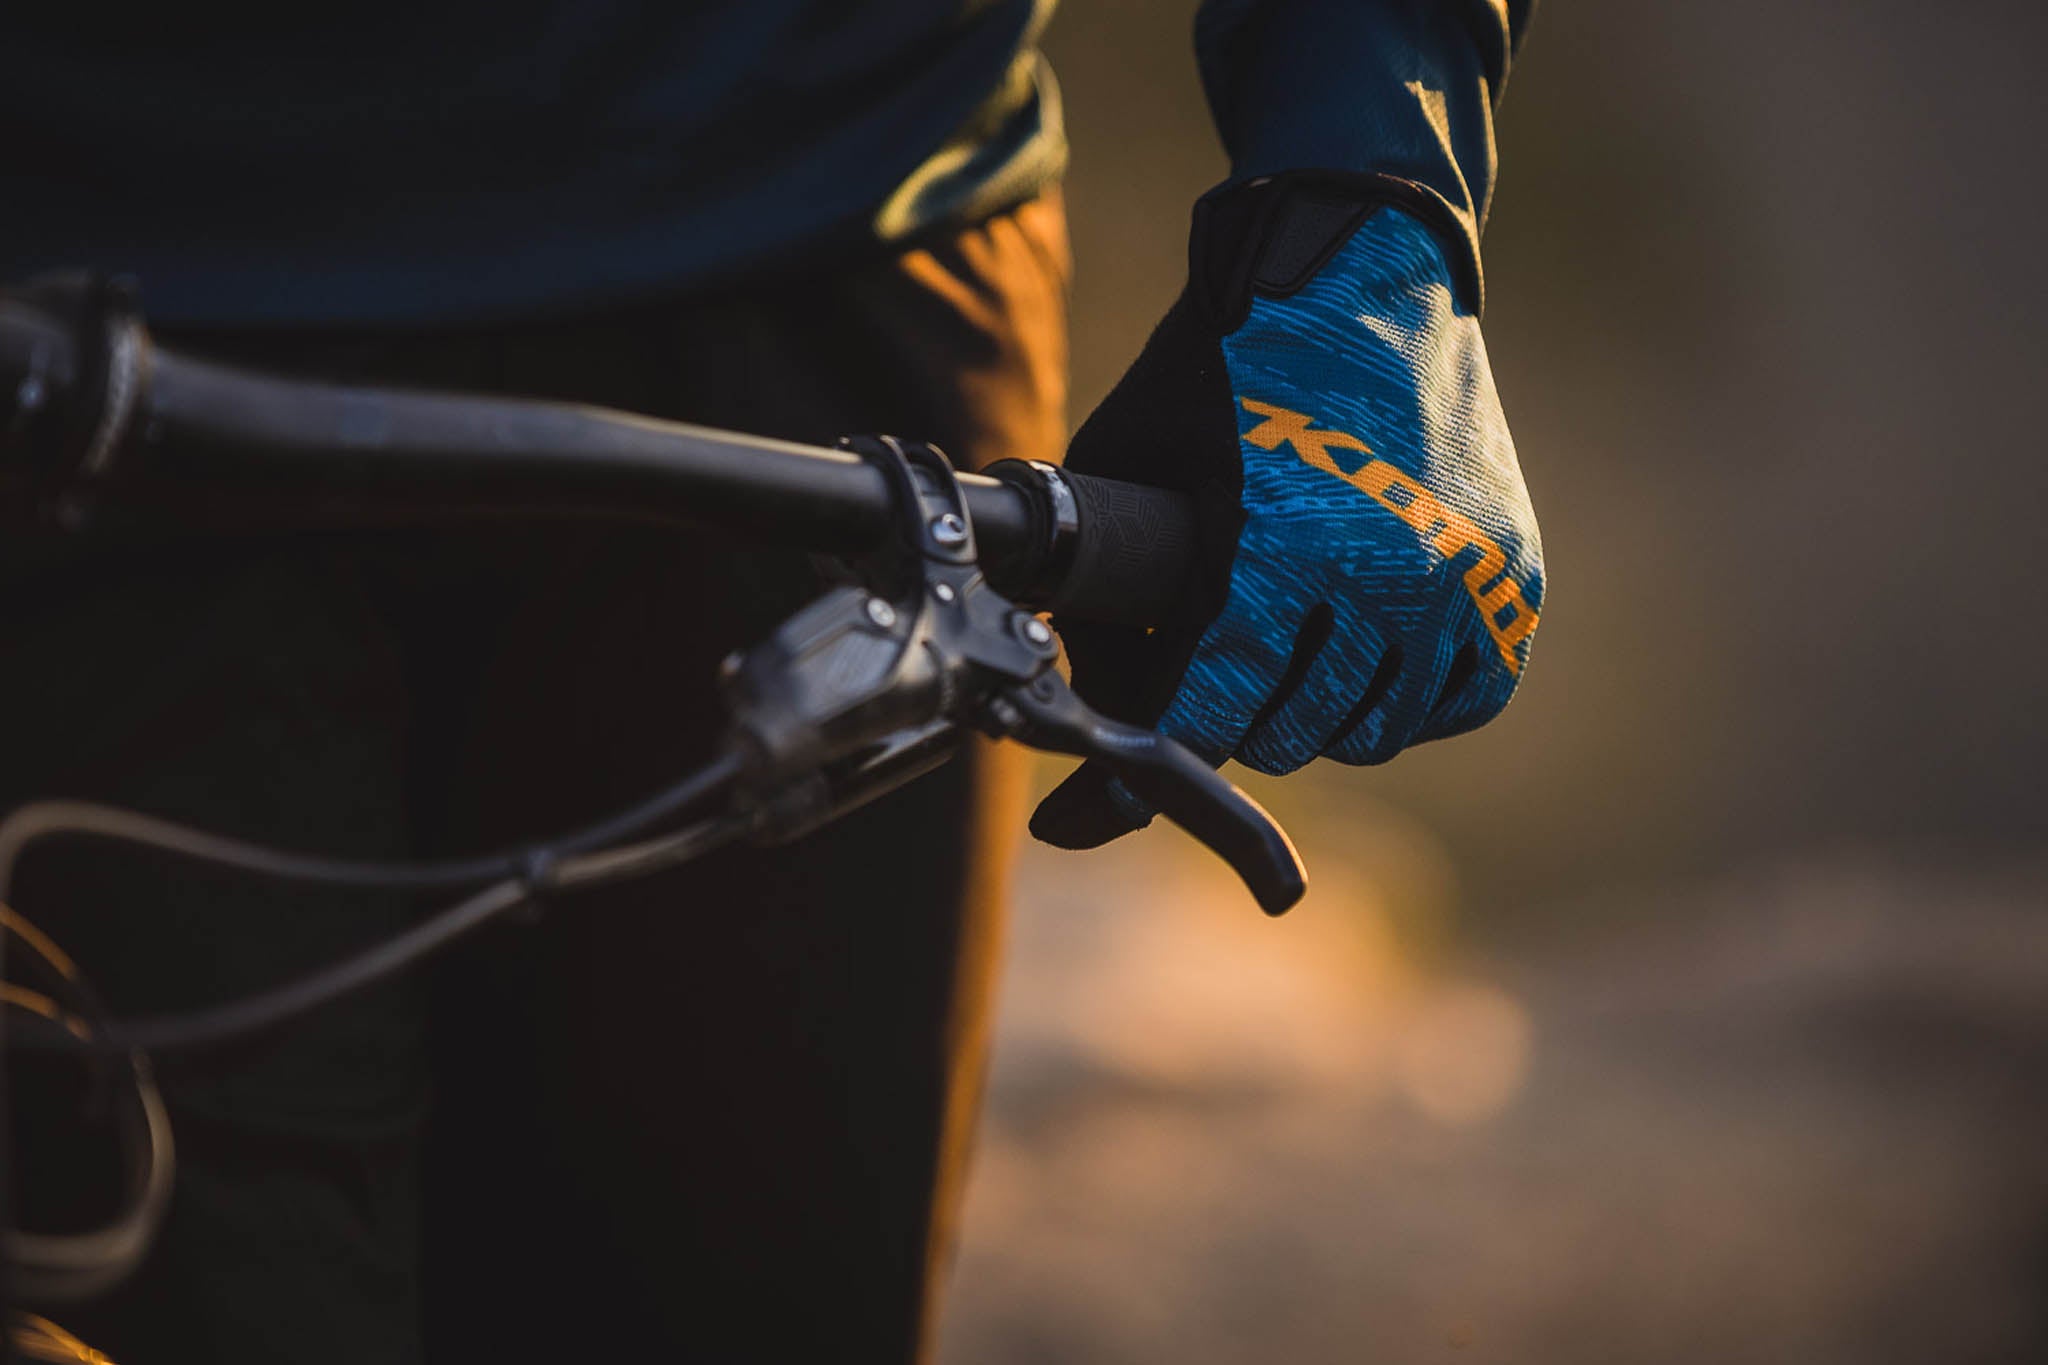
1088	810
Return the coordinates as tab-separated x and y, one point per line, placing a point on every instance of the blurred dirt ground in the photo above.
1794	1114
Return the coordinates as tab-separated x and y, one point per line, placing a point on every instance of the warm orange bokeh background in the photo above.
1698	1009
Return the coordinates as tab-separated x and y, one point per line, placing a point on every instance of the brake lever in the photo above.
1167	777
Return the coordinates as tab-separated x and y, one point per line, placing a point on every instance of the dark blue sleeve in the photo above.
1398	88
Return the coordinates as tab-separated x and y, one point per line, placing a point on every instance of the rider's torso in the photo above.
440	161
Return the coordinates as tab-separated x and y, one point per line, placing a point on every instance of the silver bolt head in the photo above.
881	613
949	529
944	592
1037	631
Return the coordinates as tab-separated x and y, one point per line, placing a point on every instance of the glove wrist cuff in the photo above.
1271	234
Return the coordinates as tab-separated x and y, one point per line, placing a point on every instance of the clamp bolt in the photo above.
881	613
944	592
1035	633
948	530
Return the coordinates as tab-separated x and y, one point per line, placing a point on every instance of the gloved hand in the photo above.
1373	562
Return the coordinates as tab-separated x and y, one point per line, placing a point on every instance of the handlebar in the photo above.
95	415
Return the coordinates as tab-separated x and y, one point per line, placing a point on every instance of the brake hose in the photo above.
38	820
588	857
65	1267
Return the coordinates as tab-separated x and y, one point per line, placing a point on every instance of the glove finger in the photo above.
1235	667
1391	709
1352	663
1471	695
1088	810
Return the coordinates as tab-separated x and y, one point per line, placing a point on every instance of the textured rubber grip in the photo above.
1134	553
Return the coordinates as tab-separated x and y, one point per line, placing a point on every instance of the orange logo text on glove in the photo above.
1508	616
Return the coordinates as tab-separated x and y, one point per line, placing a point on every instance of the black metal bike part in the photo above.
588	856
907	647
98	422
858	692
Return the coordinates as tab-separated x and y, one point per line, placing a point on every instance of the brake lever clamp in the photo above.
870	686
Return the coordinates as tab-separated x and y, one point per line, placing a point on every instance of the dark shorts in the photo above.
714	1115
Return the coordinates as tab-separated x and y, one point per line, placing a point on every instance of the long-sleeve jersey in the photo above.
413	163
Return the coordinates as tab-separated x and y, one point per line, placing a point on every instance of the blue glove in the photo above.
1374	571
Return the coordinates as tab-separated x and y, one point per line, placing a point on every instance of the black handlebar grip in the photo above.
1134	553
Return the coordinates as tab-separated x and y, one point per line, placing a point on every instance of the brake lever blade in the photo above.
1173	782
